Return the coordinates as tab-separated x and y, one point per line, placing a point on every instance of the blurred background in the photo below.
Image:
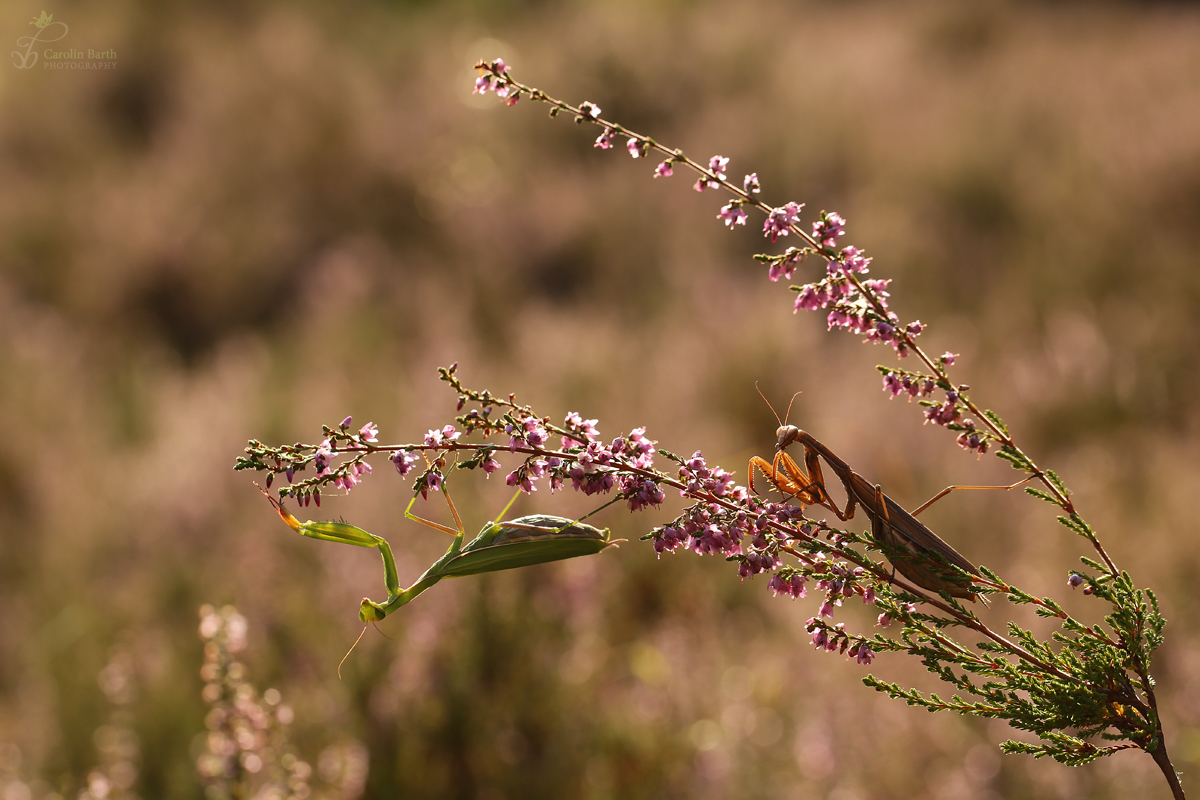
270	215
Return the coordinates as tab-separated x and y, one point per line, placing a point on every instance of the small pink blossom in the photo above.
862	654
828	228
780	219
369	432
664	170
733	215
404	461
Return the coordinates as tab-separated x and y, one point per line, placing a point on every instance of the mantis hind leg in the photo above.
950	489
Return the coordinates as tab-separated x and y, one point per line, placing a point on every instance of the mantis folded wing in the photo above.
522	542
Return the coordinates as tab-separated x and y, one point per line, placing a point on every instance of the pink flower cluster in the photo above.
835	639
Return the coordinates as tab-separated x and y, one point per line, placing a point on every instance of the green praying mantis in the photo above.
521	542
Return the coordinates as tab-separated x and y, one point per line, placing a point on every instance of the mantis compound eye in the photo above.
786	434
371	612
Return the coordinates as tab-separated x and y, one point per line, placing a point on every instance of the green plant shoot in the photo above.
522	542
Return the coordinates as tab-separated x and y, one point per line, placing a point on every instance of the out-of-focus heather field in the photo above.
272	215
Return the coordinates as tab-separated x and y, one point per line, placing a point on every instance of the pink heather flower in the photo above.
828	228
516	479
717	165
826	609
849	261
346	422
490	465
433	438
839	634
434	482
642	493
536	436
755	563
483	84
883	332
913	328
878	287
499	67
604	140
589	110
369	432
784	267
949	358
404	461
664	170
323	456
641	443
733	215
668	539
884	620
892	384
812	297
635	147
793	587
1075	581
578	425
449	434
839	318
970	439
780	219
946	413
750	184
697	465
714	540
863	654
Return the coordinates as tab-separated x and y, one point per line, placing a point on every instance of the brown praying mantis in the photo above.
916	552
